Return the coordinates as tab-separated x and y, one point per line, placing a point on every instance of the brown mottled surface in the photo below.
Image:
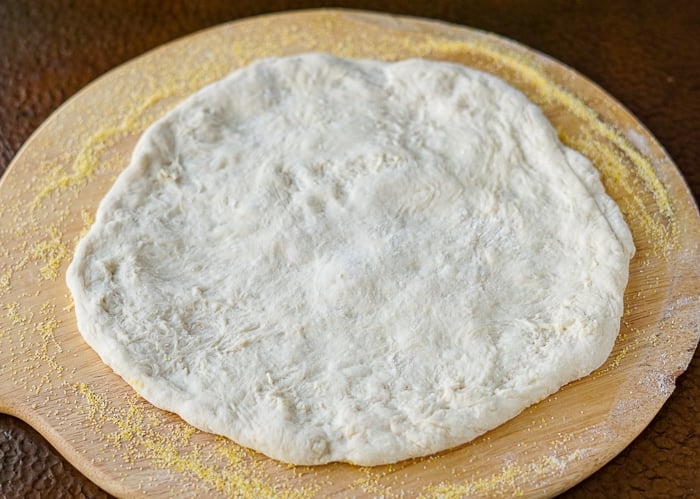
643	53
30	467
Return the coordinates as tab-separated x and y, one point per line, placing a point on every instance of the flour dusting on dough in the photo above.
335	260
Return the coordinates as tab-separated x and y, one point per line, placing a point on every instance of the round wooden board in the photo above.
51	379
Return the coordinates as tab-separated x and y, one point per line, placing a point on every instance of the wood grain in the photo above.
52	380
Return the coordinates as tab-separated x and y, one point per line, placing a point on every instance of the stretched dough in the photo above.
337	260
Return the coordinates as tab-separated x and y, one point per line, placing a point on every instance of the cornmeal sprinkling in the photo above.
223	466
51	251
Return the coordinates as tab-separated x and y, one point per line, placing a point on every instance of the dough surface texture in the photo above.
335	260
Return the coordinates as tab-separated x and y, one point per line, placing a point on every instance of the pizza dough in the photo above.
334	260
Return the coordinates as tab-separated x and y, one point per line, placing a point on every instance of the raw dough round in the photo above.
336	260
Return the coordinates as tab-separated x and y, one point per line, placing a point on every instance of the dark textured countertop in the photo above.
645	54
